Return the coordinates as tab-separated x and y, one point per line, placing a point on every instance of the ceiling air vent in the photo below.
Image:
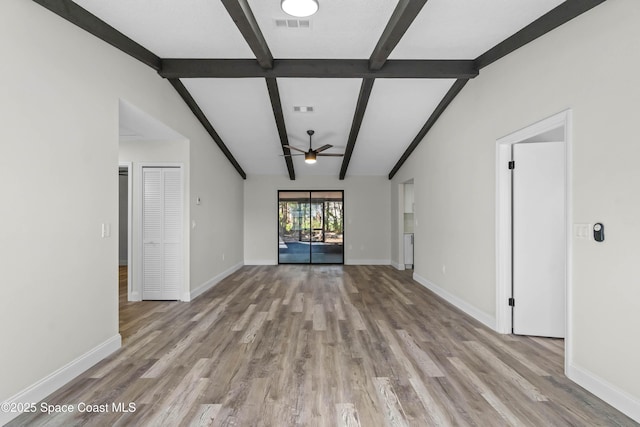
303	109
293	23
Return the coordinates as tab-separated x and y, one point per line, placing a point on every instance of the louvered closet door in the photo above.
162	233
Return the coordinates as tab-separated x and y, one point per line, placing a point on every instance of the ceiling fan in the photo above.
311	154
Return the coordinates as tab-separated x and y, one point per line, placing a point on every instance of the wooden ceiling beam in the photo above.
93	25
361	107
244	19
401	19
553	19
318	68
188	99
450	95
276	105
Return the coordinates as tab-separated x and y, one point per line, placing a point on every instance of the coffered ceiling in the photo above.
377	73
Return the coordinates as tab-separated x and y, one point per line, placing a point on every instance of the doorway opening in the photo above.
125	221
407	225
555	129
311	227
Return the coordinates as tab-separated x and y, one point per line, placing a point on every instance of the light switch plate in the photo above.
582	231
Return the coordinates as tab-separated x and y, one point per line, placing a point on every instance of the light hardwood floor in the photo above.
324	346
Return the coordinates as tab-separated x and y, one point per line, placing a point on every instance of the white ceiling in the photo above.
465	29
397	110
174	29
361	22
240	108
240	111
333	102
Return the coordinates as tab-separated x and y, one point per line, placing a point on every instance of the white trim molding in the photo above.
346	262
397	265
54	381
459	303
260	262
562	120
129	261
367	262
137	292
213	281
614	396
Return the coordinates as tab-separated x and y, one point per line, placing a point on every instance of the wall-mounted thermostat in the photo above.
598	232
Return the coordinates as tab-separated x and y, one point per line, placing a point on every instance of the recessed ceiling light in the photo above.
299	8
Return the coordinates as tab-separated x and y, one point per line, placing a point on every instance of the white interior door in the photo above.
539	238
162	233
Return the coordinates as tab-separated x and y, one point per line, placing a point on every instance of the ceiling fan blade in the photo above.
330	154
290	155
324	147
291	147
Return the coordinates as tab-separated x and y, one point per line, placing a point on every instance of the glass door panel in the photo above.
327	222
294	231
310	227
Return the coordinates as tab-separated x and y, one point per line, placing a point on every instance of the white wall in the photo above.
217	238
367	213
573	67
59	151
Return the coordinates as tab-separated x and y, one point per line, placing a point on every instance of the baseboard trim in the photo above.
397	265
260	262
614	396
57	379
469	309
346	262
367	262
214	281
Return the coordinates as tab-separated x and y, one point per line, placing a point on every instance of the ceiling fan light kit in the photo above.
310	157
299	8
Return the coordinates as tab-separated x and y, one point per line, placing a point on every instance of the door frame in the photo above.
400	264
129	166
184	293
400	224
563	121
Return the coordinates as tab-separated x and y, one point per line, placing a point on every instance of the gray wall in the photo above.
577	67
367	216
60	145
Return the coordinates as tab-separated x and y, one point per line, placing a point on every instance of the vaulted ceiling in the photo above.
377	73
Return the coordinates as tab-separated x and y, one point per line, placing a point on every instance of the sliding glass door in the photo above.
310	227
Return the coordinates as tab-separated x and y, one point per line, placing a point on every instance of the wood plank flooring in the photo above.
323	346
